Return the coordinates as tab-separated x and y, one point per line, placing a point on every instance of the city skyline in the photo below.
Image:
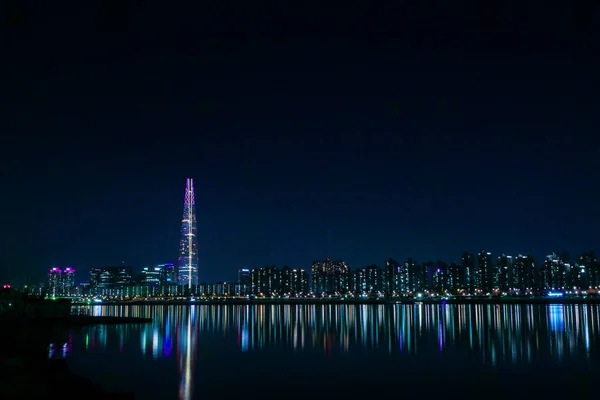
475	272
476	275
232	272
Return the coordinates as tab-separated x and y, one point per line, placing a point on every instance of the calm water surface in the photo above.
324	351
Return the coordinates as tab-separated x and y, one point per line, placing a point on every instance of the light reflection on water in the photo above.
58	350
492	335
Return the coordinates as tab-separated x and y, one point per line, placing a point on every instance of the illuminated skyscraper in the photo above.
110	280
68	281
485	271
472	278
524	273
168	274
61	282
151	276
54	286
188	246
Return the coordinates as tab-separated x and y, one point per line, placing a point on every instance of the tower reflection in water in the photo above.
187	340
483	334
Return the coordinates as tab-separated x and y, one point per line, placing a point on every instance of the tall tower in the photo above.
188	245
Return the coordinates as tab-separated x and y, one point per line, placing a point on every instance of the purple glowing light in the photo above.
55	269
69	269
189	193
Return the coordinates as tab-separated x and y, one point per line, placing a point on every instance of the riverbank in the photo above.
47	379
457	300
27	367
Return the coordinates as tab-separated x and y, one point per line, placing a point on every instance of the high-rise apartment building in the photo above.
524	274
439	277
588	270
244	276
472	278
456	278
375	279
554	273
329	277
504	273
397	277
417	275
357	281
266	281
54	285
299	282
485	268
68	281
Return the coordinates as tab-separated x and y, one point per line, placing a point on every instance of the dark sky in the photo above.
349	132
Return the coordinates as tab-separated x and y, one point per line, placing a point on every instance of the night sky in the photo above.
352	133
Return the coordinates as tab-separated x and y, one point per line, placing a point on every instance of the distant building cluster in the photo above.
272	281
477	274
163	281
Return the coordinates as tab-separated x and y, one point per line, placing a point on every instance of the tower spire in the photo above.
188	245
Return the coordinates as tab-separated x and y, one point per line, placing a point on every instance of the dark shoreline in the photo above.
474	301
28	372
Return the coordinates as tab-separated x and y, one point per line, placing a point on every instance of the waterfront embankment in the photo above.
438	300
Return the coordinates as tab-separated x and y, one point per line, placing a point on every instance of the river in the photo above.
324	351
